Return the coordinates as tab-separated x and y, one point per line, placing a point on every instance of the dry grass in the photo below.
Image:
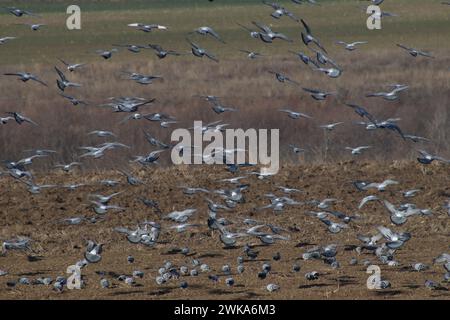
244	84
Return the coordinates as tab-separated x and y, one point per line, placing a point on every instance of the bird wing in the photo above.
29	120
39	80
395	127
311	90
265	28
65	63
390	207
403	47
425	54
193	44
61	74
215	34
308	30
156	47
19	74
248	29
210	56
387	233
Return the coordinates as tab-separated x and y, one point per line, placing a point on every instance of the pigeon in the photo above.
307	37
357	150
251	54
4	120
183	227
313	2
72	66
19	118
331	126
93	252
131	47
34	26
280	11
181	216
334	227
410	193
200	52
366	200
104	199
391	126
253	34
313	275
106	54
267	35
271	287
426	158
133	181
4	40
162	53
351	46
416	139
394	240
399	217
296	149
391	95
25	76
362	112
419	267
20	12
147	27
73	100
318	94
219	108
101	209
295	115
63	83
379	186
415	52
19	243
282	78
209	31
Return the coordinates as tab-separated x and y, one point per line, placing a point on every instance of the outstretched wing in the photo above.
61	75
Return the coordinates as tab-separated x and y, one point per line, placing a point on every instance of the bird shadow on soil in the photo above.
446	295
231	247
167	290
316	285
412	286
249	295
160	292
178	253
256	260
225	292
34	273
34	258
210	255
121	293
388	293
304	244
346	281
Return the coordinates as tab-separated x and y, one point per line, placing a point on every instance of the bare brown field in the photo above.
243	84
59	245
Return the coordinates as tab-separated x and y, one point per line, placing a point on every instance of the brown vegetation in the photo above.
39	217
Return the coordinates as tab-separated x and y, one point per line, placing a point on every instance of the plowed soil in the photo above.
56	245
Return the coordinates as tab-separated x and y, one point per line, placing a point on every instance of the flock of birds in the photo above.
384	243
